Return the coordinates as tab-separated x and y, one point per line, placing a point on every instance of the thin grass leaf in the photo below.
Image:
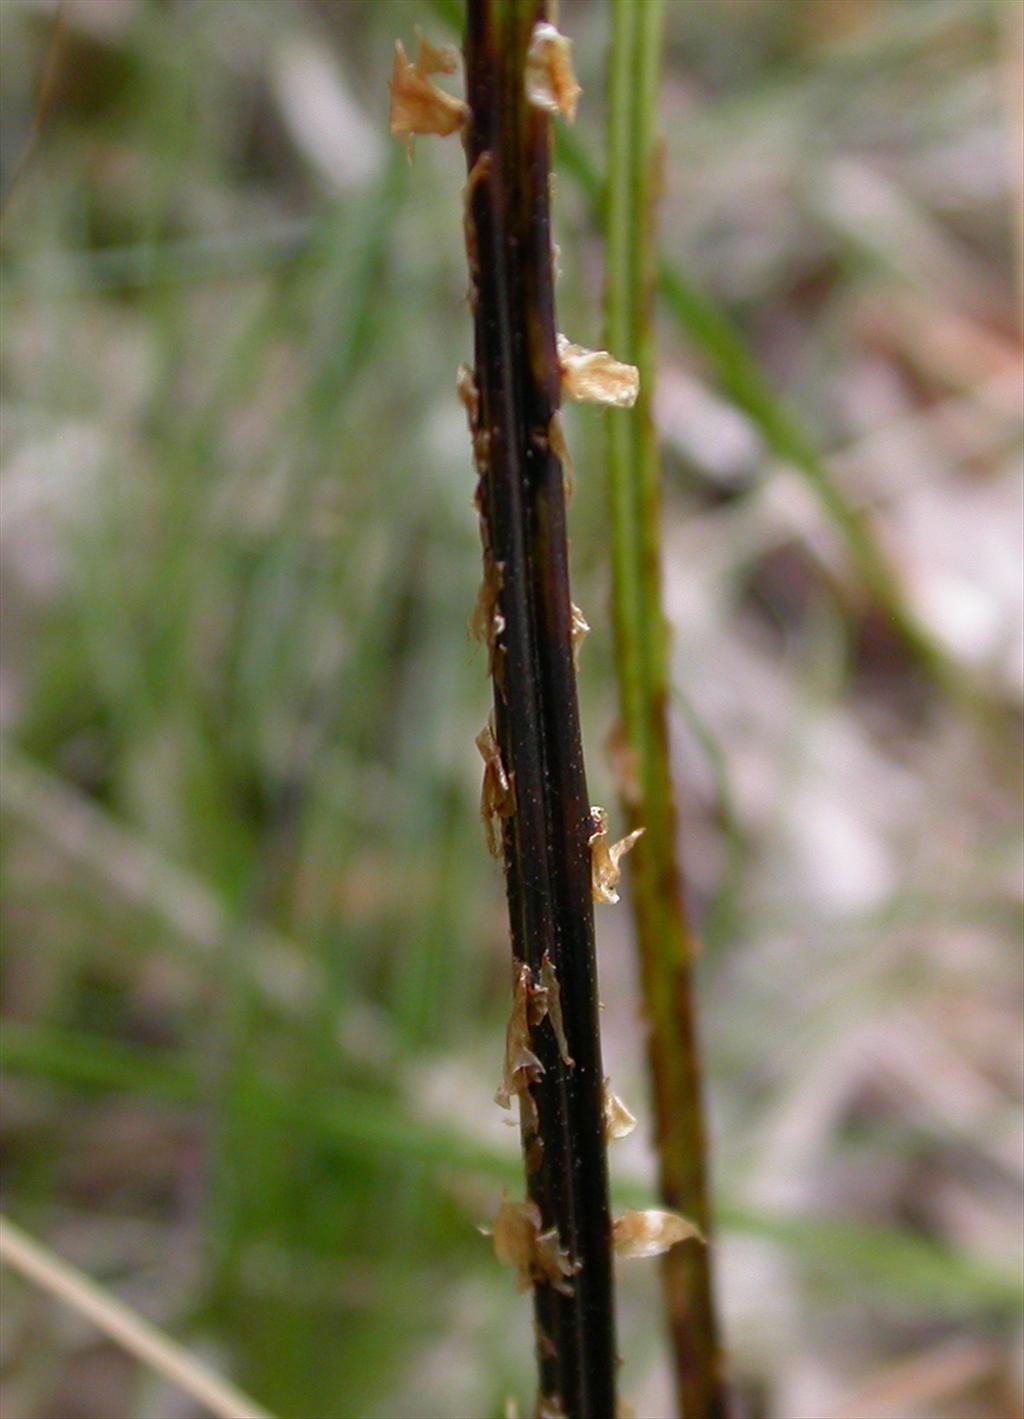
37	1264
664	940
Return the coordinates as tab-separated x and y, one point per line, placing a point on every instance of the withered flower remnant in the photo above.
652	1232
618	1121
553	1005
418	107
536	1255
595	377
550	81
605	858
580	631
497	799
522	1067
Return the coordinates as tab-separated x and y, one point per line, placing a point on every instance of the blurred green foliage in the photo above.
255	961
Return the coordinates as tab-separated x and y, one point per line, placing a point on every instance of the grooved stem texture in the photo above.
521	501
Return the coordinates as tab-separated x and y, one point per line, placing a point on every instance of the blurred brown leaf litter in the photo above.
255	966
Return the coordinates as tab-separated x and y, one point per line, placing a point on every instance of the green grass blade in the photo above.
664	942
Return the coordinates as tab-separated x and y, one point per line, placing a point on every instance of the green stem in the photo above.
664	940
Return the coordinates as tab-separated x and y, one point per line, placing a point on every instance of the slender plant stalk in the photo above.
664	939
545	833
36	1263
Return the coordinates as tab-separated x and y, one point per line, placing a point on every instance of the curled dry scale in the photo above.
534	805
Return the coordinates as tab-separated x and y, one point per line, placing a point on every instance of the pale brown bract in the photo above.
487	622
469	395
550	80
579	631
522	1067
618	1121
605	857
651	1232
497	799
536	1255
596	377
418	107
549	1406
552	995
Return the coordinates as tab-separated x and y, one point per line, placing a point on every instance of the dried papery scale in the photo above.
550	80
652	1232
618	1121
536	1255
580	631
605	857
418	107
595	377
497	798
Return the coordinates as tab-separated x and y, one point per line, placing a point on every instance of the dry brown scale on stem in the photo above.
605	857
497	799
652	1232
522	1067
536	1255
618	1121
595	377
579	632
552	993
550	80
418	107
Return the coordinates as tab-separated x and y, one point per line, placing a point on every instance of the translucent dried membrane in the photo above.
487	623
651	1232
604	858
595	377
497	799
469	398
535	1254
419	107
550	81
618	1121
522	1067
549	1406
552	1004
531	1002
435	58
469	395
578	632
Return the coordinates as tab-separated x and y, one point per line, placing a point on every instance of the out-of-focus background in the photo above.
255	969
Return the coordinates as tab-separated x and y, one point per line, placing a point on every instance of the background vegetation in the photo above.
255	967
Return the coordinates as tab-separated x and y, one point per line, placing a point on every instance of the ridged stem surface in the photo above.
545	838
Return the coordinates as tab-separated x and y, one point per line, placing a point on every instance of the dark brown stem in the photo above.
547	823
